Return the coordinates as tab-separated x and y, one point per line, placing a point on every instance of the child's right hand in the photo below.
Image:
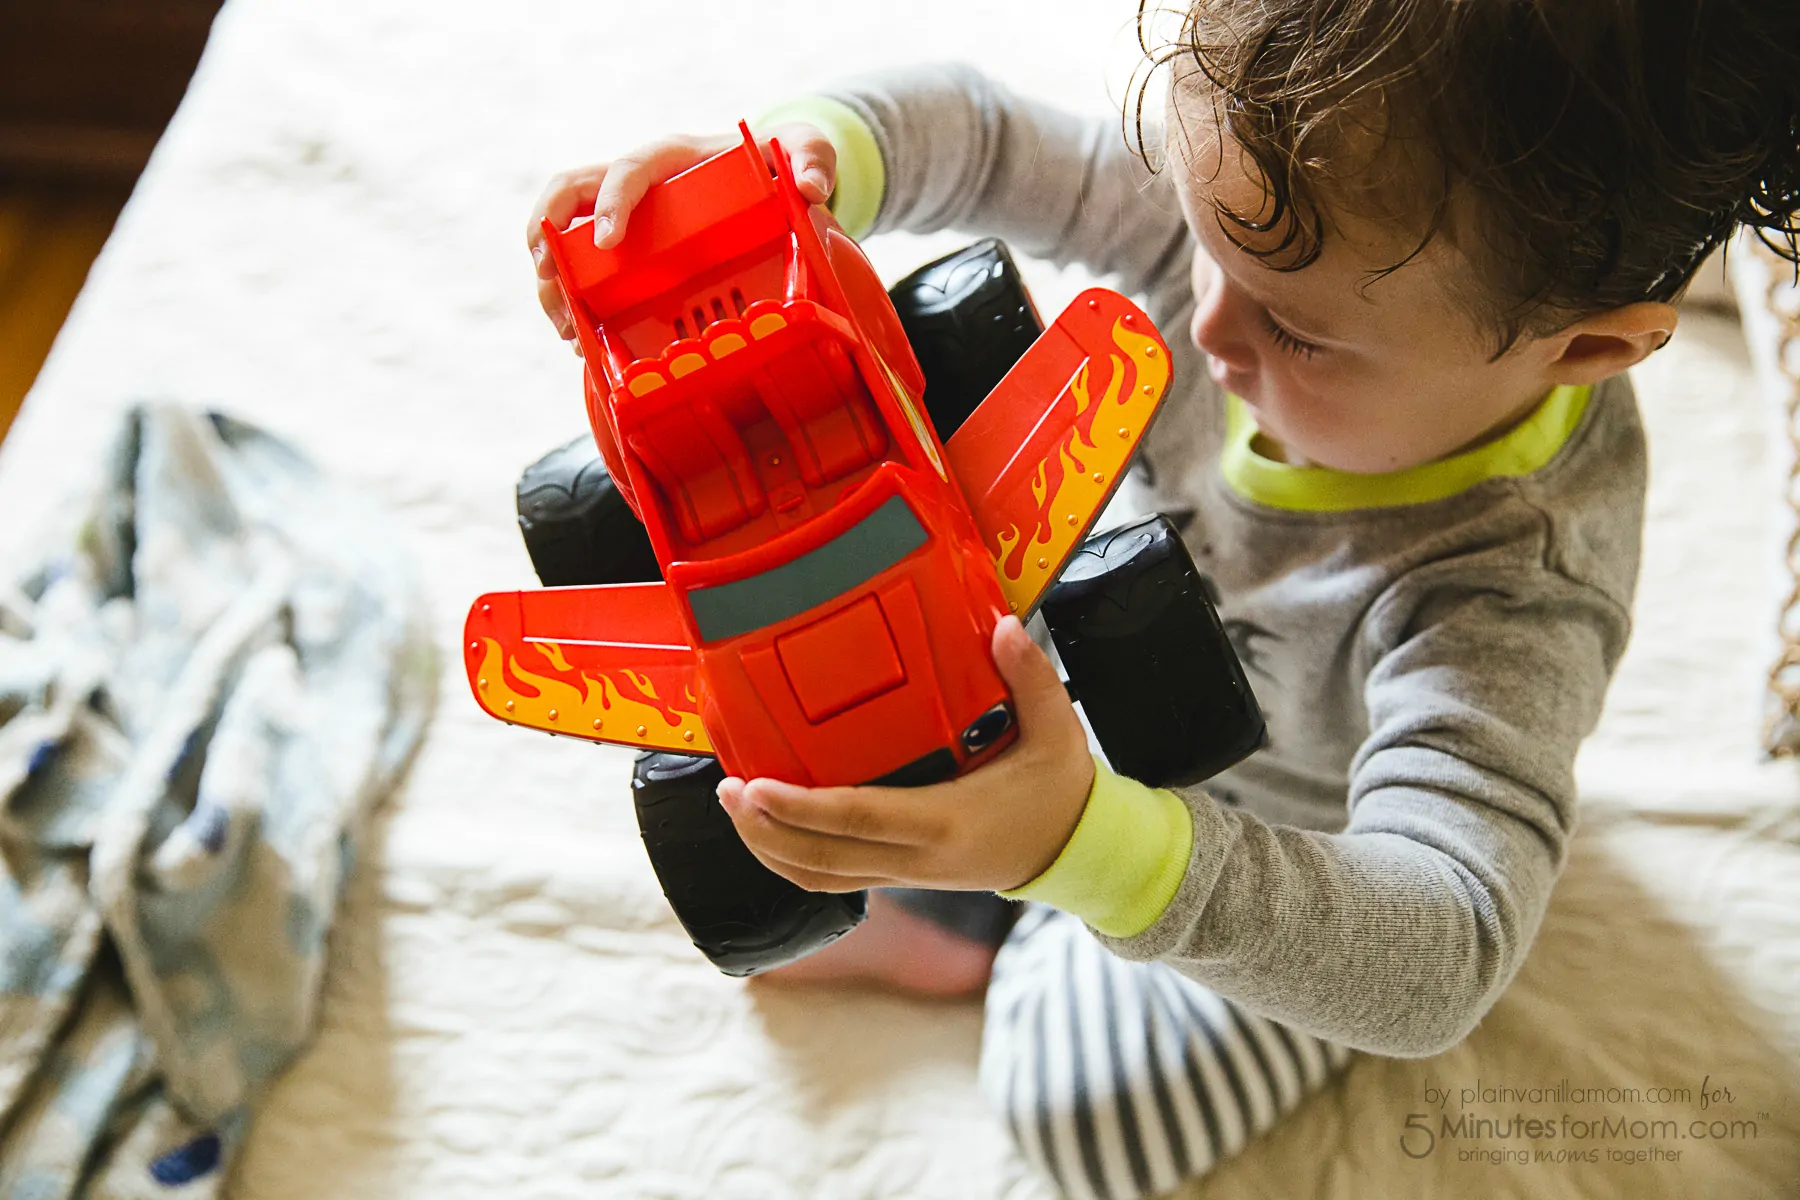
610	190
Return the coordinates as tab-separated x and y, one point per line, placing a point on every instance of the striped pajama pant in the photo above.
1121	1079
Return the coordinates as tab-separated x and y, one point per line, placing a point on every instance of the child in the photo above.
1416	246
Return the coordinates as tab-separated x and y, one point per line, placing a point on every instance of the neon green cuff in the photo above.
1124	862
861	175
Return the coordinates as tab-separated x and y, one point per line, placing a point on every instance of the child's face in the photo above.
1341	371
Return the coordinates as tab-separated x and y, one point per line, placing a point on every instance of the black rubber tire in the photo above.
969	318
1148	659
578	528
741	915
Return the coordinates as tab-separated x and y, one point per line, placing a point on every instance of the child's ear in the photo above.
1603	344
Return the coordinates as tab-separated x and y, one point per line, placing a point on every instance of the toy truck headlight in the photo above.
986	729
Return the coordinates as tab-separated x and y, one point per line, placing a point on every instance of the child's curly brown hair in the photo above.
1583	154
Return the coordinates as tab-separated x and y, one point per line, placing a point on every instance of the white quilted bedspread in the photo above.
329	242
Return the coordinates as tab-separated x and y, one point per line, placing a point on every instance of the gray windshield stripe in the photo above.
866	549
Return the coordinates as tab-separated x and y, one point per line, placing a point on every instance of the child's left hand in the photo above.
993	829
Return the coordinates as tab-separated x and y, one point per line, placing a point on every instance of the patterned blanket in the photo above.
204	687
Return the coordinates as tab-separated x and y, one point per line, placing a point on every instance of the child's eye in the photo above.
1286	342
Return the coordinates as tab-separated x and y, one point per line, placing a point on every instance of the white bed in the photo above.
329	242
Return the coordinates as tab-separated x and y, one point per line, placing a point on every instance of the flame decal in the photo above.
1082	468
607	706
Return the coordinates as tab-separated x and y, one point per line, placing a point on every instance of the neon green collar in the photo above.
1527	447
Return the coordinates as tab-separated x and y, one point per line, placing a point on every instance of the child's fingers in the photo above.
811	156
609	191
551	297
885	815
566	197
628	178
815	874
1041	700
814	881
816	861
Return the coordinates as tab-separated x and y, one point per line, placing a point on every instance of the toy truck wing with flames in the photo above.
830	570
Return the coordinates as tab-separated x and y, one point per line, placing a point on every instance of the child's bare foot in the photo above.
896	950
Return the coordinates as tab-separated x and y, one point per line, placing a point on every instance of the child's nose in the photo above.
1221	326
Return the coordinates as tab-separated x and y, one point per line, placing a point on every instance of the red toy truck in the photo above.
826	572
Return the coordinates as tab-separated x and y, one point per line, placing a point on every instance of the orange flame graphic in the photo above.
621	706
1074	479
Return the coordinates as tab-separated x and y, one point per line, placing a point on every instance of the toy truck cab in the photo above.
758	405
